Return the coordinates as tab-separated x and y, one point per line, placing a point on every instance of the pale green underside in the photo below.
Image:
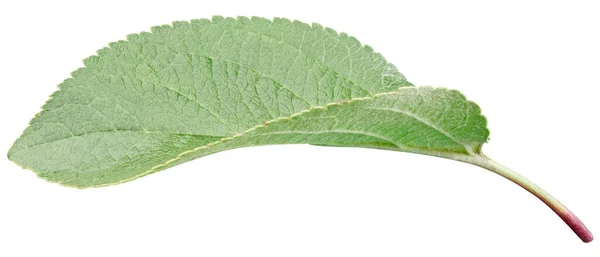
192	89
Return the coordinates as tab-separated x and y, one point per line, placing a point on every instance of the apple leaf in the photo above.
196	88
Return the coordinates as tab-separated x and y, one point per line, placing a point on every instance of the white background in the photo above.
533	67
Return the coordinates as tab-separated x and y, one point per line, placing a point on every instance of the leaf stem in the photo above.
565	214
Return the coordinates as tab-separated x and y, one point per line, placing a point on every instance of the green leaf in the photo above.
193	89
